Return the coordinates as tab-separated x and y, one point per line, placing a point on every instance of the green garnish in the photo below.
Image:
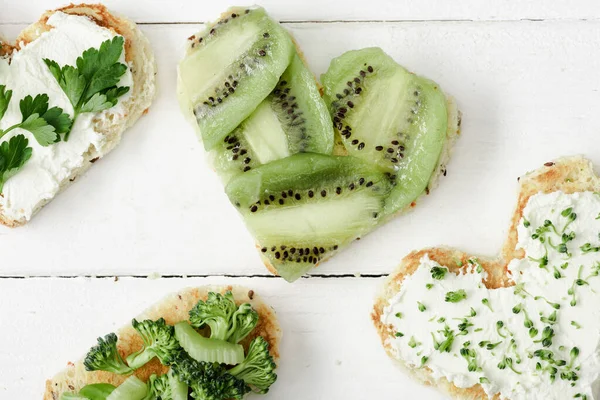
499	327
398	315
547	335
413	343
438	273
507	362
526	223
429	286
573	354
576	325
455	297
445	345
550	319
399	334
588	248
421	306
483	379
557	274
45	124
486	303
489	345
424	360
14	153
533	332
470	356
91	86
464	326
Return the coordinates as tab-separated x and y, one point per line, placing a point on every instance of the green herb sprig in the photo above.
91	86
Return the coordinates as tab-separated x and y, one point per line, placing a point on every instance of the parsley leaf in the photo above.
5	96
92	85
13	155
45	124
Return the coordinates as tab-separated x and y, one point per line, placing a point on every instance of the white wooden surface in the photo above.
525	75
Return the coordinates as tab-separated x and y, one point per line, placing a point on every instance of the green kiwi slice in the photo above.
292	119
304	208
388	116
230	68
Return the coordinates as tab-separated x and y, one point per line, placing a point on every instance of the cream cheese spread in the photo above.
538	339
27	74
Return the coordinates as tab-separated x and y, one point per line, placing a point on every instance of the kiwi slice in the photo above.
230	68
292	119
304	208
388	116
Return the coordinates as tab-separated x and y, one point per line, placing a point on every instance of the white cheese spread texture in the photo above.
521	347
27	74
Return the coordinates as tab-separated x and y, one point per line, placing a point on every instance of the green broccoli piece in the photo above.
166	387
106	357
244	321
226	320
258	368
208	381
159	341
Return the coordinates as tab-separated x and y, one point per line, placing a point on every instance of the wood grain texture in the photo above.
529	92
327	338
157	11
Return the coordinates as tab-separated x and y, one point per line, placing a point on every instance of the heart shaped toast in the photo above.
72	84
522	326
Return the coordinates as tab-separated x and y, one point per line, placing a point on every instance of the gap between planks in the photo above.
117	277
371	21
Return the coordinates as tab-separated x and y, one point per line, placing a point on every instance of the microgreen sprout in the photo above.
421	306
551	319
576	325
455	297
429	286
547	335
413	343
486	302
438	273
445	345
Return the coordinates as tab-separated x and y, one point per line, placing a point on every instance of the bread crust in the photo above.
568	174
173	308
139	56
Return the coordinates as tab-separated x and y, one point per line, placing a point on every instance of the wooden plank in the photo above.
329	349
154	11
528	90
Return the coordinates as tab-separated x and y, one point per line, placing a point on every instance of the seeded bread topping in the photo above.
537	339
27	74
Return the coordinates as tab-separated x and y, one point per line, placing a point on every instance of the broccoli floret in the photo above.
158	387
159	341
258	368
105	357
208	381
244	321
166	387
226	320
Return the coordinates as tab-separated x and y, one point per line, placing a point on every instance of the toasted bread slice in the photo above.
140	58
569	174
173	308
